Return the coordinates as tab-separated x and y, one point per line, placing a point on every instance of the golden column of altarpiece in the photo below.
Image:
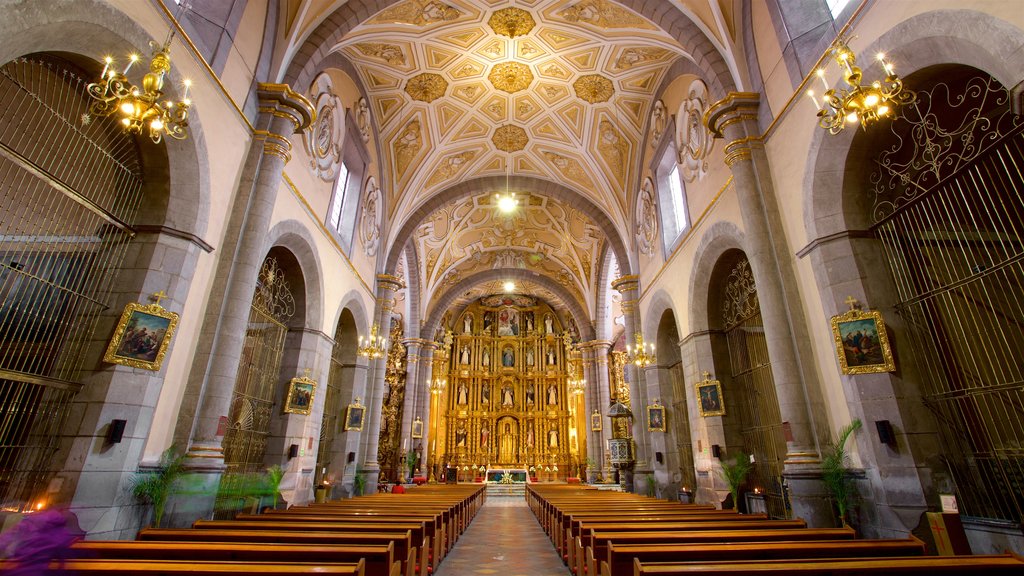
507	361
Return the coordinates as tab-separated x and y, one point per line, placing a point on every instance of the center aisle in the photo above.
504	539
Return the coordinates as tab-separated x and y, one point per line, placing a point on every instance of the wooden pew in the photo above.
1002	565
379	560
190	568
599	540
619	558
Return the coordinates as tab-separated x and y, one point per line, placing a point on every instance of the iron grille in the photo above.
949	210
70	187
750	367
329	426
681	425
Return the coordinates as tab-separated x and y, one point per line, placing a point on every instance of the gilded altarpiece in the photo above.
388	455
507	403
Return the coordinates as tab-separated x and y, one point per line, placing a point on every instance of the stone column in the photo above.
387	285
603	397
411	401
423	396
629	287
735	119
207	399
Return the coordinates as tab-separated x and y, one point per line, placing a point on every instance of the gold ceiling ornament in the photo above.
511	22
426	87
510	77
857	103
142	106
510	138
593	88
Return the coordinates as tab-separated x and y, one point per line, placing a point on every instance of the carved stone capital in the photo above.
735	107
281	101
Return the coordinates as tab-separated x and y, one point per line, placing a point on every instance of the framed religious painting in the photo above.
656	418
417	428
709	397
142	336
595	421
300	395
354	415
862	344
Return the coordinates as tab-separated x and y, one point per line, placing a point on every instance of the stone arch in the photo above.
576	309
413	292
296	238
602	312
352	301
319	45
716	241
527	184
92	29
962	37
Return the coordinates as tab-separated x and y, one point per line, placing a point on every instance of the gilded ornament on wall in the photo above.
510	77
450	167
426	87
323	143
693	139
387	52
603	14
370	221
613	148
362	114
417	13
510	138
407	146
593	88
646	219
659	122
638	56
511	22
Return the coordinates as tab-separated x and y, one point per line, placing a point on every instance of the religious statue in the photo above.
529	357
484	435
549	325
467	323
464	356
508	357
551	356
485	394
486	358
529	436
553	438
460	437
552	395
529	322
529	395
507	445
507	399
463	396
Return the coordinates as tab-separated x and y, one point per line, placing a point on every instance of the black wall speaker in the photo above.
886	435
351	458
716	451
116	431
659	457
293	451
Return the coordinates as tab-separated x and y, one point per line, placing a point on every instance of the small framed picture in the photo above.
595	421
354	415
862	344
142	336
709	397
417	428
656	418
300	395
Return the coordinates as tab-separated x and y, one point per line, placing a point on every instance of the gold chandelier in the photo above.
142	107
438	385
857	103
641	353
373	347
577	386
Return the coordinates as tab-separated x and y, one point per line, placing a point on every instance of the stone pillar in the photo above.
207	398
698	357
387	285
735	119
410	408
603	398
426	373
629	287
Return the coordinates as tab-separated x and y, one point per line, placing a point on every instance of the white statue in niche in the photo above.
486	358
464	356
363	119
553	438
549	324
551	356
529	357
467	324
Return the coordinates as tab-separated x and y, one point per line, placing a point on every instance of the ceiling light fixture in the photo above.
857	103
509	286
507	202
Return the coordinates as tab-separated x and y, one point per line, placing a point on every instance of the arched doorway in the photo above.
945	197
70	190
752	421
674	394
329	464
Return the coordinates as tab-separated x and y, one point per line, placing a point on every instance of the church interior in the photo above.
560	260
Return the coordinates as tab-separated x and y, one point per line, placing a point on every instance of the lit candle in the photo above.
134	58
106	66
405	443
188	84
821	76
810	94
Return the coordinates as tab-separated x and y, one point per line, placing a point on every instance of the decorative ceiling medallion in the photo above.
510	77
323	143
426	87
693	139
593	88
511	22
509	138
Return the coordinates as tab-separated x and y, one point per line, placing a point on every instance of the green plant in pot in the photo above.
735	474
835	466
410	463
589	464
652	485
358	484
273	482
154	487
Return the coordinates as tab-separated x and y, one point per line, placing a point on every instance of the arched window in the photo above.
348	186
675	217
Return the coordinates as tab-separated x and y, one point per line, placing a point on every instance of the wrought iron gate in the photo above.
70	187
681	425
949	209
329	424
750	367
258	372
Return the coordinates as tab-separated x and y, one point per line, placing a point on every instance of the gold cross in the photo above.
158	296
851	302
707	376
306	372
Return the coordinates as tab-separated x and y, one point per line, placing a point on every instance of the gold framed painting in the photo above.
862	344
709	397
656	418
417	428
300	396
354	416
595	421
142	336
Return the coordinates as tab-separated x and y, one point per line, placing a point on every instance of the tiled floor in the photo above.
503	539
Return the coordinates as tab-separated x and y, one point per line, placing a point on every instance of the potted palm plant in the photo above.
358	484
735	474
154	487
835	465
